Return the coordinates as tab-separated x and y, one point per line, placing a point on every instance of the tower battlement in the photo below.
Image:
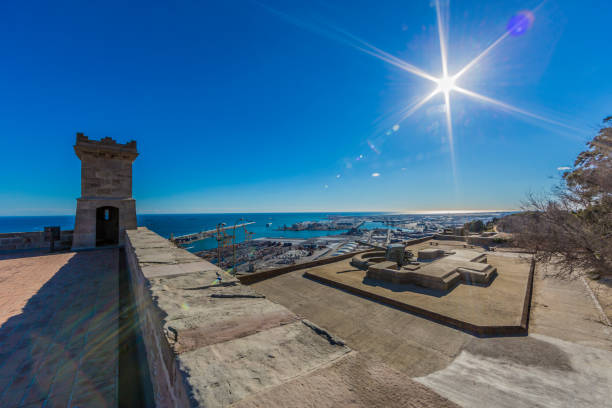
106	146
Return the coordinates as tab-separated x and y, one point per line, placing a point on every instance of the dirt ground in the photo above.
564	309
602	289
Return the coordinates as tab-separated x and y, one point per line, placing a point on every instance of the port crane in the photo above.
247	238
198	236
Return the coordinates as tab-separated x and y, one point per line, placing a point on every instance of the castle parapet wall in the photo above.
16	241
211	341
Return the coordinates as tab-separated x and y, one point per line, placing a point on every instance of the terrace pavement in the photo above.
59	329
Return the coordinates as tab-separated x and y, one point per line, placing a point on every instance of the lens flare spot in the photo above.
373	148
375	174
446	84
520	23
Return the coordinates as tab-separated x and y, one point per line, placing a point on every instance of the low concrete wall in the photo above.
263	275
14	241
528	296
480	241
419	240
441	237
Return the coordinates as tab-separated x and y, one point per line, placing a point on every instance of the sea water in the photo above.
181	224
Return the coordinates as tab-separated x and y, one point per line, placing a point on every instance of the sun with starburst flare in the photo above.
447	83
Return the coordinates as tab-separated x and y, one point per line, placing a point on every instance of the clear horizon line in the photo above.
407	212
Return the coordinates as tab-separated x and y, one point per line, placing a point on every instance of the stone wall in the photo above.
103	177
169	386
209	340
473	240
14	241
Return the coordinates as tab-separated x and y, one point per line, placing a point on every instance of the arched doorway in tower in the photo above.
107	226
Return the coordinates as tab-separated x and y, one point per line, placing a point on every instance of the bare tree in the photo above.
573	226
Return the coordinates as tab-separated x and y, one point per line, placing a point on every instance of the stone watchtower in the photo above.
106	207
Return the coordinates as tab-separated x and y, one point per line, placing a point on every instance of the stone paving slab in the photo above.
59	335
227	372
170	255
155	271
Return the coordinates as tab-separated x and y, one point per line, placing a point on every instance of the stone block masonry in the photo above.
15	241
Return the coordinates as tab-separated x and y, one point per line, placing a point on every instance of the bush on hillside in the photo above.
573	226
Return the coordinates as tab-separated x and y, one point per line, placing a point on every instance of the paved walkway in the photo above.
59	329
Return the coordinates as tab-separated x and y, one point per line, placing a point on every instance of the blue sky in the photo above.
249	106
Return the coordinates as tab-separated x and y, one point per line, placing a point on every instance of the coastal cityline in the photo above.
156	157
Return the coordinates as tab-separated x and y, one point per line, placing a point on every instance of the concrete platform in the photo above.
435	268
493	309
